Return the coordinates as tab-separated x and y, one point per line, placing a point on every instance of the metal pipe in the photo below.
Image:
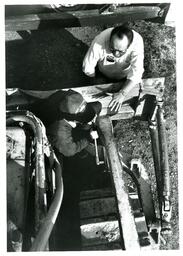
43	235
166	207
28	168
156	158
163	151
48	221
40	190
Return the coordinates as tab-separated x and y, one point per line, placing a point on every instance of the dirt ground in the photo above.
50	59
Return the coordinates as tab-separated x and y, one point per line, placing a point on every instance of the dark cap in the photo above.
74	107
91	109
71	102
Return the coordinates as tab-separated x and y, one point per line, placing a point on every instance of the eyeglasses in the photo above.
117	53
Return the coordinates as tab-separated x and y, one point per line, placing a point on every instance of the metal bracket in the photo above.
145	190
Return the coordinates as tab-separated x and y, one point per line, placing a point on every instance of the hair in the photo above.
122	30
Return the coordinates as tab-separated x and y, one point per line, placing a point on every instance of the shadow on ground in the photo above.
48	59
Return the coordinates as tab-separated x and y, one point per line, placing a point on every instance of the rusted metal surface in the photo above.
40	192
126	218
44	221
16	145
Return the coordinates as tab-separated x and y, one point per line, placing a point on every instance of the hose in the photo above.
42	237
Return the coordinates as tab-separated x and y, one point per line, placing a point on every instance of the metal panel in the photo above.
16	146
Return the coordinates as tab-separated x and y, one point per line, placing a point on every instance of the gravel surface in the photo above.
53	58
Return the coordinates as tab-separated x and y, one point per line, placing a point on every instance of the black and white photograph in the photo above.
91	127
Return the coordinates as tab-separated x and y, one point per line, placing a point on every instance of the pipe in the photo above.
40	190
48	221
163	151
166	206
156	158
43	235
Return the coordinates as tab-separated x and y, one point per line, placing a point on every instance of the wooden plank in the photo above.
150	86
80	18
126	218
153	86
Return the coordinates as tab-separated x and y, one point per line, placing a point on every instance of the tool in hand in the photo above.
94	135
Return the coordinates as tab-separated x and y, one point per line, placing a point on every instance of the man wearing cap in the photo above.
116	54
67	134
66	115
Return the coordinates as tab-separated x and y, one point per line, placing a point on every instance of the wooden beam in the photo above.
150	86
126	218
80	18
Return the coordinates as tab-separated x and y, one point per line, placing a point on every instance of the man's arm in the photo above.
118	97
91	58
133	78
60	135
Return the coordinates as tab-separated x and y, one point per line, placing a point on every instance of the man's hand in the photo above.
117	101
94	134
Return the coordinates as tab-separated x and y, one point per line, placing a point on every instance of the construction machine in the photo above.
115	206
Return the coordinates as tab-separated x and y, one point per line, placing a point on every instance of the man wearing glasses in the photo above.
118	54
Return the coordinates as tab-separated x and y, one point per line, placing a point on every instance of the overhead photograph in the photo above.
91	127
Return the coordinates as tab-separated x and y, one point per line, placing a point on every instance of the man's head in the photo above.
72	103
120	39
74	108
